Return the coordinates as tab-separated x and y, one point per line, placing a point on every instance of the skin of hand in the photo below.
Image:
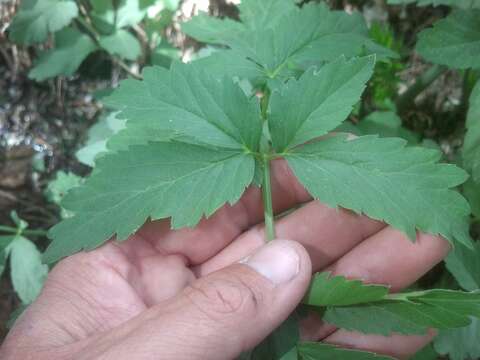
216	290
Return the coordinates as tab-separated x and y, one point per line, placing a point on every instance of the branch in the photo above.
406	100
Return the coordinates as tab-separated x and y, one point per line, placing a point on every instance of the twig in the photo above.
13	230
7	59
406	100
126	68
466	91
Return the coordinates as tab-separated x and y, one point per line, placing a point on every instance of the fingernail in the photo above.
277	261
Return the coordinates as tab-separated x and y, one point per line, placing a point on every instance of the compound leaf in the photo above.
37	18
458	33
157	180
326	290
318	102
72	47
404	186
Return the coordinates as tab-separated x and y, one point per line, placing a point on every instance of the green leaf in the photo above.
27	271
385	124
316	350
327	290
280	345
459	33
464	264
229	63
158	180
471	191
404	186
376	318
471	144
408	313
318	102
136	134
208	29
282	39
37	18
463	4
460	344
164	54
60	186
121	43
304	41
72	47
427	353
110	15
193	104
98	135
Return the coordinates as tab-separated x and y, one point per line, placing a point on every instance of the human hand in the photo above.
186	294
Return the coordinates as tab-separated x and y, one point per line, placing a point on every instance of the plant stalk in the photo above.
405	101
267	201
14	230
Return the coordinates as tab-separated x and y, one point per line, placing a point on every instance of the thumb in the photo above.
234	309
225	313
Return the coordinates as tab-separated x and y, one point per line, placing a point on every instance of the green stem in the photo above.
267	200
14	230
89	29
405	101
466	91
264	103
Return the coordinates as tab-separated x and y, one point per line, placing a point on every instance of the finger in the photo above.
325	232
312	327
213	318
213	234
398	346
390	258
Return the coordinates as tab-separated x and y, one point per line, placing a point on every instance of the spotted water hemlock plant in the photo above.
196	137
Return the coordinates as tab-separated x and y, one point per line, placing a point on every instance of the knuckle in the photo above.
223	297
